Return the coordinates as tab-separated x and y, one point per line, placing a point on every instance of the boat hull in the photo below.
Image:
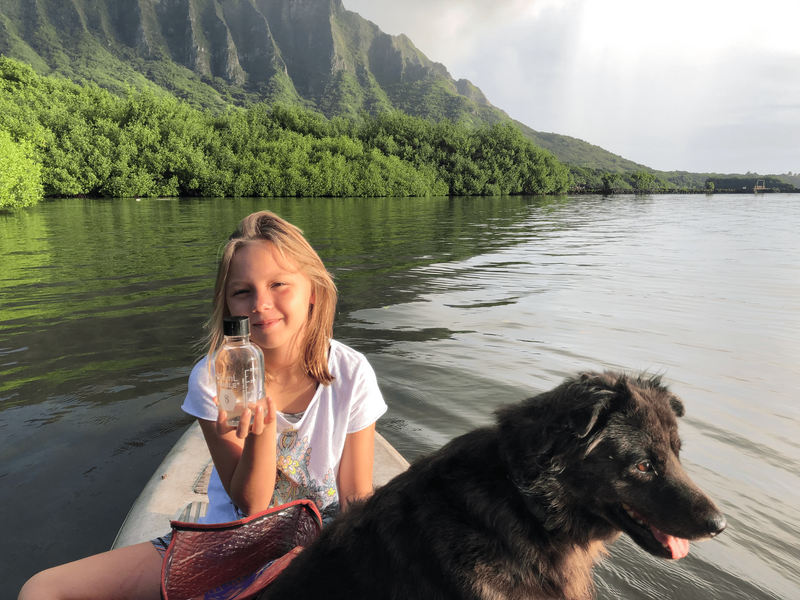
177	490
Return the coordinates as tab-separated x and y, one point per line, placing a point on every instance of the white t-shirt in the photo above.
310	450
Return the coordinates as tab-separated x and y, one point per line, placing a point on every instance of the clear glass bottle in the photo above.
239	366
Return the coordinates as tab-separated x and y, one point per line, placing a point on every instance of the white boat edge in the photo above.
171	489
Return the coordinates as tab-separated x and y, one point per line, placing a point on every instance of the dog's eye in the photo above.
645	466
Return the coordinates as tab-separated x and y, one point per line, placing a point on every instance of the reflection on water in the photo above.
461	305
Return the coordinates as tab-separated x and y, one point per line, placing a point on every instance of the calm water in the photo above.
460	304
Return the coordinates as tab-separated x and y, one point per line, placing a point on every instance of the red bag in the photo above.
236	560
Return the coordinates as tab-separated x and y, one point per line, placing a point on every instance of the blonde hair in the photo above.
265	226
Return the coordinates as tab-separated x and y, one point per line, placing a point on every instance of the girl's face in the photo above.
273	293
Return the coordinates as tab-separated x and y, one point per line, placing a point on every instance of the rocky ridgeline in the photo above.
301	50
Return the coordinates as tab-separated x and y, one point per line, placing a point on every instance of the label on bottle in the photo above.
227	400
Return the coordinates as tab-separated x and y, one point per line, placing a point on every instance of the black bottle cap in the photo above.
236	326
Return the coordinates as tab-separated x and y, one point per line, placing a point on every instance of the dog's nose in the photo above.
715	523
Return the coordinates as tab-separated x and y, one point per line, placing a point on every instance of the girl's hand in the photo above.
263	417
244	456
222	420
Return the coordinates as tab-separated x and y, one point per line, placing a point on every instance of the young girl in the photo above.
317	426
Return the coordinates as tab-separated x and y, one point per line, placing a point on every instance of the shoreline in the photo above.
662	192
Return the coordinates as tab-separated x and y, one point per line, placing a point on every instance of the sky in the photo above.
690	85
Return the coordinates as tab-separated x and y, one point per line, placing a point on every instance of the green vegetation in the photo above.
20	177
91	142
610	181
589	165
650	181
747	183
643	180
490	160
585	158
793	178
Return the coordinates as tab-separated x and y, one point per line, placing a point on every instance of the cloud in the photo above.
690	85
446	30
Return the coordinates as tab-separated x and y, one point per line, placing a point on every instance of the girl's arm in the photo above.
245	457
355	469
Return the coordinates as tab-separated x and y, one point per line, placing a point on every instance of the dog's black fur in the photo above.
521	509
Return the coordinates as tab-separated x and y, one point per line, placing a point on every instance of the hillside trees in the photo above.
90	142
609	181
493	159
732	182
20	176
643	180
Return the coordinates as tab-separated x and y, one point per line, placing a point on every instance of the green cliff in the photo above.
214	53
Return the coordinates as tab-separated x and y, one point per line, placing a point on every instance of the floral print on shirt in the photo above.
293	481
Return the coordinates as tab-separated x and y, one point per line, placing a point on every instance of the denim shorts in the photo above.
162	543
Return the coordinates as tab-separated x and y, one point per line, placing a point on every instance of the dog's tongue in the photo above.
678	546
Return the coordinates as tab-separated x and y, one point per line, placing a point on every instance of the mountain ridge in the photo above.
314	52
218	53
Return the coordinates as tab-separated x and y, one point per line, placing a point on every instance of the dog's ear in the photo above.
584	420
592	395
677	407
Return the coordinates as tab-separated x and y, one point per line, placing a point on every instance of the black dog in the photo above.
521	509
